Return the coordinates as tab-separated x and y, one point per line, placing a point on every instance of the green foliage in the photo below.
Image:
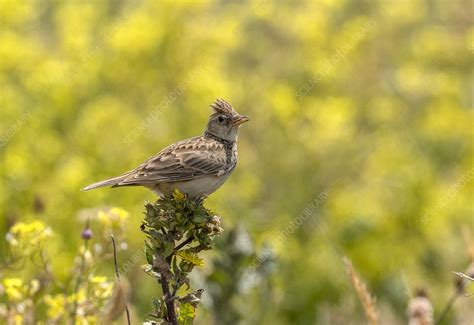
177	230
236	269
369	100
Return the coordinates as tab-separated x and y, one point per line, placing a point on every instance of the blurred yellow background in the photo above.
370	102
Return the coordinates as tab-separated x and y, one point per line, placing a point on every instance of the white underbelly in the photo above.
195	188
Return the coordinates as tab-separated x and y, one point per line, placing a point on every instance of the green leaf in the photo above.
200	219
148	253
156	304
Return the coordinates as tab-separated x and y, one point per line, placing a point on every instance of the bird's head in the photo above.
224	122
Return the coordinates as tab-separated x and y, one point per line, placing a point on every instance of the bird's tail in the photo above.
107	182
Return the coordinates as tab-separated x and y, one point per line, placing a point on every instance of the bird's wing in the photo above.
185	160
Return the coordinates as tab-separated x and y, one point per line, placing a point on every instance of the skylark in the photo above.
197	166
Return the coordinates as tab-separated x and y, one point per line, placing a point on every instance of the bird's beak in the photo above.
240	119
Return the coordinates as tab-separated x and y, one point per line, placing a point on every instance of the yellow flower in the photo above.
18	320
190	258
98	279
114	217
102	288
86	320
28	234
120	214
178	196
56	305
14	289
104	218
34	287
78	297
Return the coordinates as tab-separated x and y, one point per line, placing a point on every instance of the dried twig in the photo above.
118	275
460	285
465	276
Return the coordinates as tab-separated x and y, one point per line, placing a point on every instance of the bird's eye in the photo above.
221	119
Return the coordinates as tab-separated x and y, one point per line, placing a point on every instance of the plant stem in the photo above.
184	243
118	275
173	224
170	309
79	279
448	306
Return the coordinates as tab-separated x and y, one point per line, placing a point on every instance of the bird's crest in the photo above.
221	106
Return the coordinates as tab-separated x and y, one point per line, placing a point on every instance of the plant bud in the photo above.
86	234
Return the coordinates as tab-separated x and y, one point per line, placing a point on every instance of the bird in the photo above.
197	166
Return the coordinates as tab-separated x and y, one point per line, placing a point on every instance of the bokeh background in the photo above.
362	108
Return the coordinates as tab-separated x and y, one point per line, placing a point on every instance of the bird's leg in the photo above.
200	200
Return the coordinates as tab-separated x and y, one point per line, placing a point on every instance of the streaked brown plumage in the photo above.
197	166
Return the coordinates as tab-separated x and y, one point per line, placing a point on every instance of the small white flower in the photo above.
123	246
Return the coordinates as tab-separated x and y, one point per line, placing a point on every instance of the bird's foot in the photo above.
200	200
